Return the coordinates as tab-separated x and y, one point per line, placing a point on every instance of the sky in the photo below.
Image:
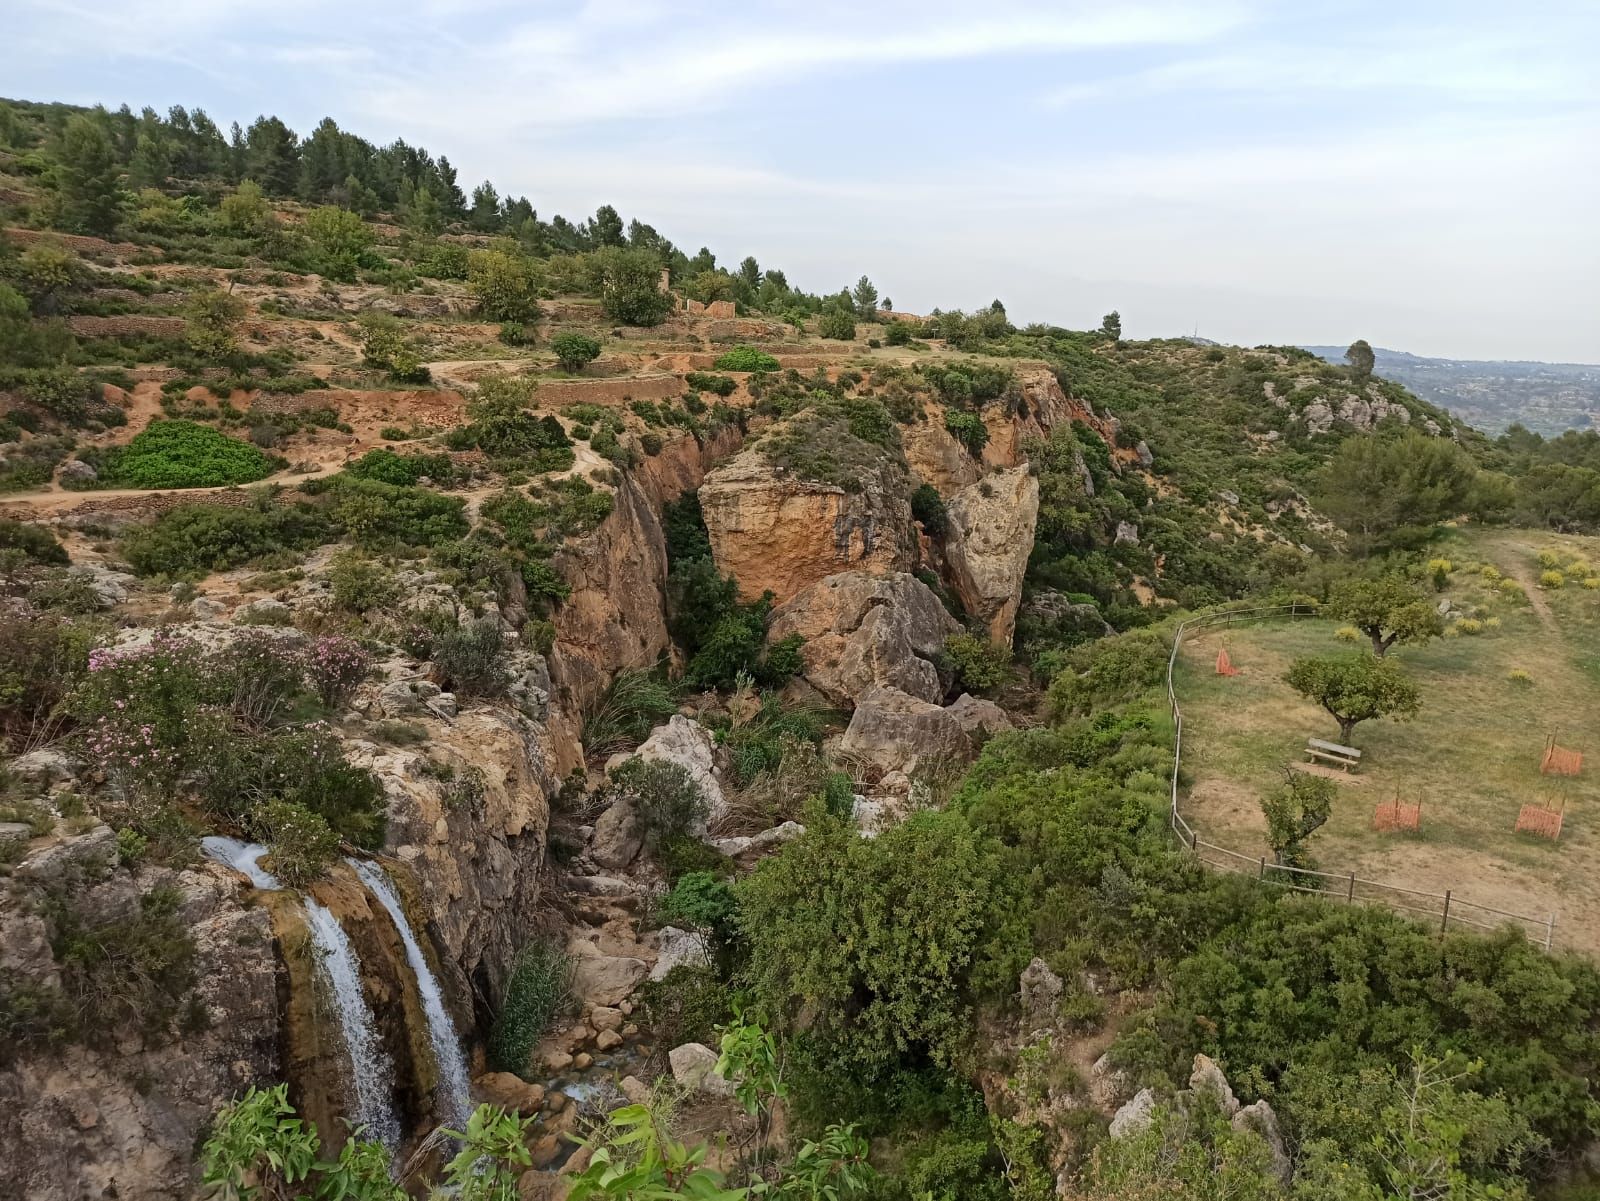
1421	173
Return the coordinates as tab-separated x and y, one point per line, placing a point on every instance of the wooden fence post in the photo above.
1351	895
1263	874
1549	930
1444	923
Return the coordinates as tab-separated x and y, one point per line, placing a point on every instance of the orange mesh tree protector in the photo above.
1560	761
1536	819
1225	665
1397	815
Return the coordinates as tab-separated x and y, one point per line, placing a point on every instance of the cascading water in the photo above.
371	1074
243	857
454	1098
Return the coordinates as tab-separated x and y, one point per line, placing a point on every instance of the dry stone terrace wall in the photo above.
126	327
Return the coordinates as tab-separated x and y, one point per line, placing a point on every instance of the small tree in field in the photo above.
1355	688
1295	810
575	351
1387	610
211	321
1111	325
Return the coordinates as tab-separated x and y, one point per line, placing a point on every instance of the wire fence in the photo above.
1446	909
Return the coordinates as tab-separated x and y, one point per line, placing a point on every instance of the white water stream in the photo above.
371	1074
243	857
455	1102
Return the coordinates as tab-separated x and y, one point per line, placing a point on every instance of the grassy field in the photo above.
1471	757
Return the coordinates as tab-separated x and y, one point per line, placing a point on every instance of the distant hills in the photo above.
1493	394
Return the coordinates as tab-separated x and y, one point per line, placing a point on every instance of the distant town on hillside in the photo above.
1493	394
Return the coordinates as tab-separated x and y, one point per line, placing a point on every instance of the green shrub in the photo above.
34	541
471	659
183	454
1109	671
538	989
505	284
838	324
359	584
629	283
897	333
386	345
702	901
689	1004
575	351
746	358
374	514
979	666
502	427
633	703
669	804
203	538
927	506
718	385
388	467
514	333
967	429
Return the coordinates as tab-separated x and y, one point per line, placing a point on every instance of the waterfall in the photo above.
242	857
371	1074
454	1099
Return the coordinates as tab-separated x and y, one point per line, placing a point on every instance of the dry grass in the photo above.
1471	756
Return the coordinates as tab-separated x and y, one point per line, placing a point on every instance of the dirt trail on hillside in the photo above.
1519	571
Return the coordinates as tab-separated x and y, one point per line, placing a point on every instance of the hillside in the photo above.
473	671
1547	398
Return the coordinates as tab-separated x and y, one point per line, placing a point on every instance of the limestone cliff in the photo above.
989	539
779	533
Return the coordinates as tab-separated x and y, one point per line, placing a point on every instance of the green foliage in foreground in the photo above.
260	1149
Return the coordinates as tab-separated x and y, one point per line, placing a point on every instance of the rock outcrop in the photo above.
780	534
862	630
899	732
990	537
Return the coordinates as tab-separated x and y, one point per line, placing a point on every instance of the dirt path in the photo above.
1518	570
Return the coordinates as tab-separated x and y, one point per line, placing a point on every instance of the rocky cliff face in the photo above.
990	537
120	1118
777	533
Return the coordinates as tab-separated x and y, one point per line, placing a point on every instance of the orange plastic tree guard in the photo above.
1560	761
1536	819
1397	815
1225	665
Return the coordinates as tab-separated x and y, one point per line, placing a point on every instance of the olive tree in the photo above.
1387	610
1355	688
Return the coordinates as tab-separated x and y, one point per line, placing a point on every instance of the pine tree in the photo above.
87	178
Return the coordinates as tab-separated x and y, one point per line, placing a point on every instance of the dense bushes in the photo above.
917	902
387	467
205	538
183	454
575	351
745	358
501	425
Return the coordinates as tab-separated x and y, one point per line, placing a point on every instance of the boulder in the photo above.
978	716
987	544
1041	991
775	532
692	747
1261	1120
1127	534
636	1090
600	979
677	948
1206	1079
1108	1084
604	1017
861	630
758	844
1134	1117
694	1068
15	834
46	767
109	587
1147	460
607	1040
268	611
402	698
206	608
76	471
610	887
511	1092
617	838
900	732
